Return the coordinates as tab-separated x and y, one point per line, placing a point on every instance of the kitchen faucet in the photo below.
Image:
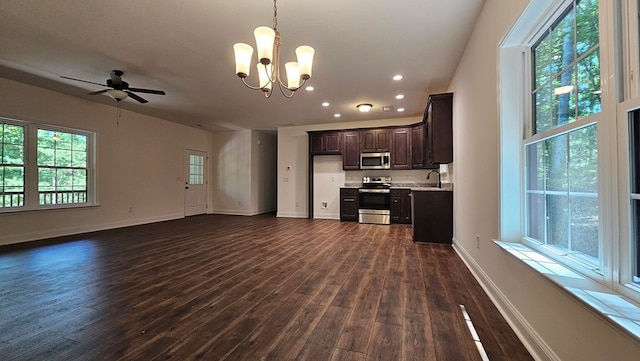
438	173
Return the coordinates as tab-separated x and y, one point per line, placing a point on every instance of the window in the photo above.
566	68
60	175
11	165
562	193
62	167
570	153
196	169
634	183
561	149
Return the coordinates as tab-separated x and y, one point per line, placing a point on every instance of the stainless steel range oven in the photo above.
374	200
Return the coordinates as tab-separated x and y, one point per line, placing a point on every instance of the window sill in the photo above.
18	210
612	306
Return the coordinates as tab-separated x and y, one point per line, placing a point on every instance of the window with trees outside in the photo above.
61	171
11	165
62	167
561	150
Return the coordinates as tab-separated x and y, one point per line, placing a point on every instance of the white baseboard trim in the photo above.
233	212
536	346
291	215
334	216
67	231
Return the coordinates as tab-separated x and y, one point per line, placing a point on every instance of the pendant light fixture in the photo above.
268	67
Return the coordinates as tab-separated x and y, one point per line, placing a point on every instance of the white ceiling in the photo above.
186	49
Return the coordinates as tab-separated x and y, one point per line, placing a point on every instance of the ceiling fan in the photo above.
119	88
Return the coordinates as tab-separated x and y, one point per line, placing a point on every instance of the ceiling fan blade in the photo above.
136	97
148	91
98	92
84	81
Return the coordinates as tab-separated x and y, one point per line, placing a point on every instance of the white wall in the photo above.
552	323
241	185
328	177
140	164
293	165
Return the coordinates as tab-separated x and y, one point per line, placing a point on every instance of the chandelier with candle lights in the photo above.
268	66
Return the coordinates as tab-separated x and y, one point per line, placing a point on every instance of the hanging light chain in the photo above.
275	15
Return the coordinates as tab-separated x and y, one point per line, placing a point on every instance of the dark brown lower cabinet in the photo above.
433	216
349	204
400	206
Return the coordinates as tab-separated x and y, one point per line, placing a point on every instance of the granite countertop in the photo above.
418	187
431	189
446	187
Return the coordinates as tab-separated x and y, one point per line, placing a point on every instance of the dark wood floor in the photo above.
244	288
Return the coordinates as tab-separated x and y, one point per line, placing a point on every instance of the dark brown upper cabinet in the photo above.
401	148
418	146
439	120
351	150
325	143
374	140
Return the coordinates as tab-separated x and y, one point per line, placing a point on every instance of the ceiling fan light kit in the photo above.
268	66
364	108
118	95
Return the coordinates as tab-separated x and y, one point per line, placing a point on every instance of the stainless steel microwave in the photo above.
375	160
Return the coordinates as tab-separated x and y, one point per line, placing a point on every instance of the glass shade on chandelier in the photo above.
268	52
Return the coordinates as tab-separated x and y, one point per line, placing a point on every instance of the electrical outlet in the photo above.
478	241
325	204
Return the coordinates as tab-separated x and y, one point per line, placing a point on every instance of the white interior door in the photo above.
196	183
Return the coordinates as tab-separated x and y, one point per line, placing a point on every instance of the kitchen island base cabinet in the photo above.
432	216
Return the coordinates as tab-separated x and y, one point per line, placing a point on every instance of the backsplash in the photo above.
414	178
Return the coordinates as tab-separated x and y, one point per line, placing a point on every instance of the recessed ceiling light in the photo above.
401	109
400	96
325	104
397	77
309	88
337	115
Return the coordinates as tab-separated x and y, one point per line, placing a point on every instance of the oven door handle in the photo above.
374	191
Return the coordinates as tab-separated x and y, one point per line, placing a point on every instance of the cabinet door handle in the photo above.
349	200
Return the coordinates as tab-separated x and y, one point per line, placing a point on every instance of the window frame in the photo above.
529	136
625	283
31	191
620	94
628	101
22	165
